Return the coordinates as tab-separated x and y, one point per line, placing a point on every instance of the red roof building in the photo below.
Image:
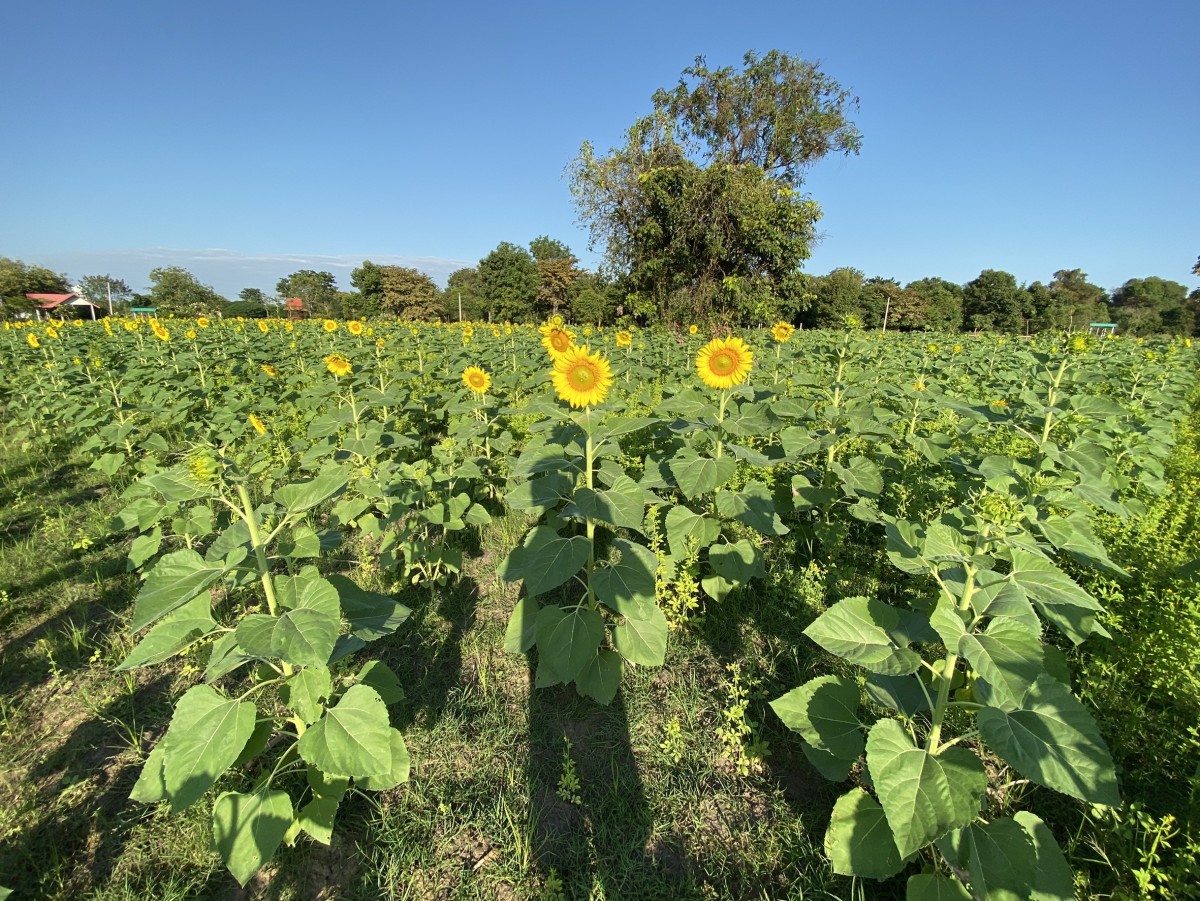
52	302
296	309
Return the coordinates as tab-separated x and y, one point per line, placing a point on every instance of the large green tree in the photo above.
995	302
175	290
409	294
700	210
318	290
1078	301
508	283
461	299
367	301
930	303
99	288
1146	306
836	297
18	279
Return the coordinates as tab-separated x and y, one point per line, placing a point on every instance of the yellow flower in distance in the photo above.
160	331
724	362
477	379
329	325
557	341
263	327
624	339
582	379
258	424
782	331
354	327
190	334
202	322
337	364
33	340
270	370
693	328
51	332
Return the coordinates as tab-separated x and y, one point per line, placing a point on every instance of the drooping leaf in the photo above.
932	887
207	732
923	795
567	640
737	562
623	504
300	496
545	560
352	738
383	679
683	527
754	506
305	636
1053	741
600	677
248	829
1053	880
999	857
398	768
859	841
307	691
371	615
1059	598
522	627
696	475
628	585
173	633
642	637
858	629
825	711
173	581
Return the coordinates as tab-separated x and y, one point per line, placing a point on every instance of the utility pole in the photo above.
108	290
886	310
460	306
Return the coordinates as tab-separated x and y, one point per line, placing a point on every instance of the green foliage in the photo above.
318	290
1147	306
18	279
994	302
176	291
507	283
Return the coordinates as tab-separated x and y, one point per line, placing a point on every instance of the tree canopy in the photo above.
18	279
508	283
175	290
699	211
318	290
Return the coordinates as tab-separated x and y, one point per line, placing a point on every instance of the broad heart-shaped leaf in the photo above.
150	788
383	679
835	769
308	590
567	640
904	694
176	485
1007	657
642	637
932	887
683	527
254	633
307	691
545	560
175	579
999	857
628	585
300	496
825	711
1053	880
1053	741
1071	609
859	841
754	506
1074	535
521	633
696	475
173	633
924	796
540	494
371	615
861	478
737	562
858	629
352	738
623	504
600	677
305	636
397	771
207	732
247	829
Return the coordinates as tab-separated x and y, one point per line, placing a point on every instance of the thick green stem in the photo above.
1051	397
589	450
260	552
721	424
943	699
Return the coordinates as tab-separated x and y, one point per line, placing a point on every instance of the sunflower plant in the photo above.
278	704
589	605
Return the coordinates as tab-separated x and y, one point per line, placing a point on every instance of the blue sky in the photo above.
247	140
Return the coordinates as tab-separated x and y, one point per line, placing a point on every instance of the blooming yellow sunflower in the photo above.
624	338
693	328
190	334
557	341
782	332
582	379
337	364
263	327
160	331
258	424
329	325
202	322
724	362
52	332
33	340
477	379
354	327
270	370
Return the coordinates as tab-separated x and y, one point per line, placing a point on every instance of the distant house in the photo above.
295	308
62	306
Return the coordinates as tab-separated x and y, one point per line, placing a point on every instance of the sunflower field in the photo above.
350	609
